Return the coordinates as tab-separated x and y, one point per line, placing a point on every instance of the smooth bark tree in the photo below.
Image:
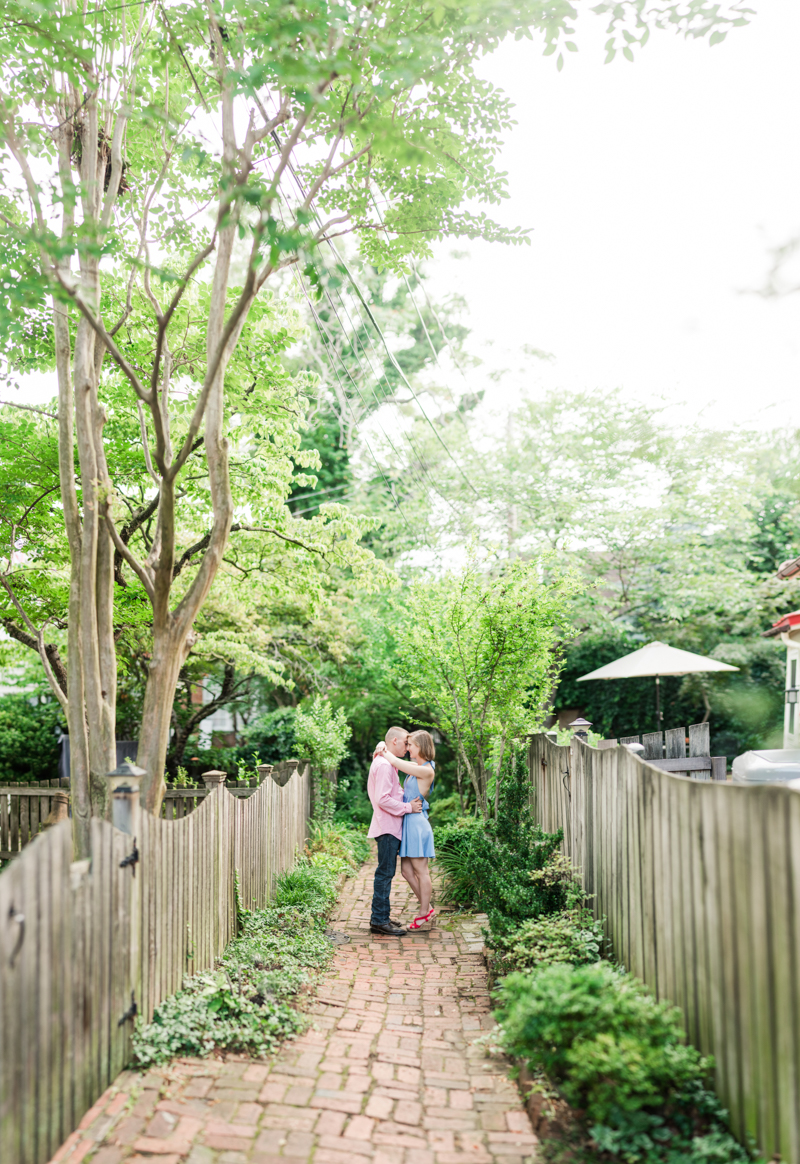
180	146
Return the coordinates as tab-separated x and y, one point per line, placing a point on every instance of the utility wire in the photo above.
320	328
375	324
378	378
354	344
418	480
317	492
400	371
435	315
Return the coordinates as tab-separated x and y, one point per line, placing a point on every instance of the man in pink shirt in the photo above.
389	808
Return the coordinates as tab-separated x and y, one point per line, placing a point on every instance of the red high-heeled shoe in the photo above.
419	922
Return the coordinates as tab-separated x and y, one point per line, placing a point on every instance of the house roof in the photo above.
785	625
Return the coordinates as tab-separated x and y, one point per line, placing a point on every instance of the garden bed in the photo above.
253	999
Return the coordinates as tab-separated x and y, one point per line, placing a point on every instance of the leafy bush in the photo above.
353	806
571	935
272	736
322	733
505	868
29	739
245	1005
600	1035
445	810
336	839
618	1056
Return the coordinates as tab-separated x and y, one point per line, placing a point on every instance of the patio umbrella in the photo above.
657	659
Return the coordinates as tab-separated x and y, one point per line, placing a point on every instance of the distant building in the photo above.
217	730
788	628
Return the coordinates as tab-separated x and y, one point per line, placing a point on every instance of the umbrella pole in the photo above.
658	703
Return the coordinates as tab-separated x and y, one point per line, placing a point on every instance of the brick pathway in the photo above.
392	1069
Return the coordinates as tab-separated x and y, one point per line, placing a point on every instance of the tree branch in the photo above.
51	650
38	637
138	569
205	541
30	408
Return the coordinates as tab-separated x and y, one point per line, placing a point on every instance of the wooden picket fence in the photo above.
23	810
699	886
85	946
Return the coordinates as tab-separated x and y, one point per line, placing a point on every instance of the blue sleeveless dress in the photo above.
417	839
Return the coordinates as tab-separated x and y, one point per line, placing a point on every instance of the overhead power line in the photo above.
400	371
376	325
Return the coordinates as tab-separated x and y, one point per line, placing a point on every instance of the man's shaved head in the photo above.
395	733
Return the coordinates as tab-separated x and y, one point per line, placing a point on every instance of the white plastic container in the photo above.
772	766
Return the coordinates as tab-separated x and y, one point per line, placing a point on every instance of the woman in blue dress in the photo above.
416	845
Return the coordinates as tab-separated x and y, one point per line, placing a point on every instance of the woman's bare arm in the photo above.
423	772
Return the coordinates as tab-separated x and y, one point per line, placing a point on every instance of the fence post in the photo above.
213	780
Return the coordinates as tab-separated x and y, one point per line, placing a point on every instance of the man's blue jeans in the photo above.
388	848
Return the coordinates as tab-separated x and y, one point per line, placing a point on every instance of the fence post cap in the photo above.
264	770
283	772
212	779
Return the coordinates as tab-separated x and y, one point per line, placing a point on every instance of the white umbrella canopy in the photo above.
657	659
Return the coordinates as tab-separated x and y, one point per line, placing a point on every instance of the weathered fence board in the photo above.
96	936
699	885
23	809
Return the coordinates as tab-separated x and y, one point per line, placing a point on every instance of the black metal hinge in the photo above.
130	1013
18	919
131	859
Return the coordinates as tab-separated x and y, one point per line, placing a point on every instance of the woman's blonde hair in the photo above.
424	741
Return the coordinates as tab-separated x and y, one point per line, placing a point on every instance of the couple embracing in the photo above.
400	824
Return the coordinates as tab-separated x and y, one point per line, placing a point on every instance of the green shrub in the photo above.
353	806
445	810
29	739
508	868
272	736
619	1058
600	1035
336	839
311	886
571	936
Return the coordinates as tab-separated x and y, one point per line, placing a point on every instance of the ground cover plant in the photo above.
247	1003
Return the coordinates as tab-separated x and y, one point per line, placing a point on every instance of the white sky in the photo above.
654	190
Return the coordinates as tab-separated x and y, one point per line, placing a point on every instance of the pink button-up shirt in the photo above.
386	796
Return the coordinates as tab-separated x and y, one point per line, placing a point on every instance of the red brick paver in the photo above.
392	1071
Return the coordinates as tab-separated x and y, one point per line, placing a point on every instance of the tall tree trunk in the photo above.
169	655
